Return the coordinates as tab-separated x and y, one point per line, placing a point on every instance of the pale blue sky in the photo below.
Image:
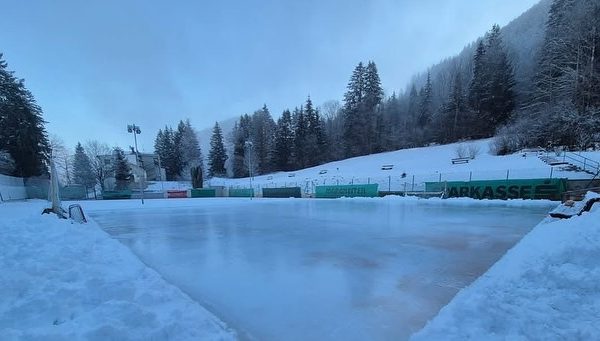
95	66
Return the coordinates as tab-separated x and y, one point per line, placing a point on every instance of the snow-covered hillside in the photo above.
425	164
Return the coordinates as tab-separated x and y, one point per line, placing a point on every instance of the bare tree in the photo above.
94	149
62	159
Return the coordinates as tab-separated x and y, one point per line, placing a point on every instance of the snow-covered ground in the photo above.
427	164
63	281
545	288
345	269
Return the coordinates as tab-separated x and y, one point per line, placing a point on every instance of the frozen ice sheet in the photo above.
321	269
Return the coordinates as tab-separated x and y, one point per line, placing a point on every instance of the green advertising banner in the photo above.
551	189
348	191
203	193
113	195
282	192
241	192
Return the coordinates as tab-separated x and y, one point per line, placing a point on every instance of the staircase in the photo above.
572	162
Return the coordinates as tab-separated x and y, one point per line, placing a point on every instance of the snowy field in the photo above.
63	281
348	269
419	165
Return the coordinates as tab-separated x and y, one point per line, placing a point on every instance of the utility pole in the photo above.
132	128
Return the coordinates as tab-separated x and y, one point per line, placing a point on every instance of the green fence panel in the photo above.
73	193
282	192
551	189
203	193
241	192
112	195
347	191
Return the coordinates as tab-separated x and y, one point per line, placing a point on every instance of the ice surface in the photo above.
320	269
545	288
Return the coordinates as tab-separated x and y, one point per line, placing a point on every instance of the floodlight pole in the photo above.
132	128
249	148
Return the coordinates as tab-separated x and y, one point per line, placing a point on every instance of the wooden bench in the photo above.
460	160
387	167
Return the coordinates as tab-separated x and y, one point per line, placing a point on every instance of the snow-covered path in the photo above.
359	269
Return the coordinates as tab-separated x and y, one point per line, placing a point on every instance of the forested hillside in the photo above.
534	82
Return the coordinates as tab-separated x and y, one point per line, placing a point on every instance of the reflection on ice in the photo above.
310	269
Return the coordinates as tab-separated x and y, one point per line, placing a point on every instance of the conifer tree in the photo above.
300	133
425	106
240	135
83	173
263	129
284	142
217	155
22	132
122	171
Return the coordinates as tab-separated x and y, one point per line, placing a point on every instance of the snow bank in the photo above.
67	281
546	288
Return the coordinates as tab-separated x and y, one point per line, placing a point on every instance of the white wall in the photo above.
12	188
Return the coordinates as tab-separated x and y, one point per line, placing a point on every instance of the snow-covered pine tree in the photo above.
217	155
83	173
188	148
122	171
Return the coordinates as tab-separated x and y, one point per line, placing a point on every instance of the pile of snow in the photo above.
66	281
546	288
426	164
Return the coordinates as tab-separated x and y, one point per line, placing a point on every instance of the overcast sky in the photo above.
95	66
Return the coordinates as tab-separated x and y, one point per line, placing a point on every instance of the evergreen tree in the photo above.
373	95
188	148
122	171
476	88
413	109
240	135
22	132
284	143
262	132
83	173
217	155
300	133
425	108
498	101
167	147
355	139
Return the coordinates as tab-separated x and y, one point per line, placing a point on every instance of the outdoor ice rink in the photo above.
299	269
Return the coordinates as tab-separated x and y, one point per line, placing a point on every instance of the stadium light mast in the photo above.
249	146
132	128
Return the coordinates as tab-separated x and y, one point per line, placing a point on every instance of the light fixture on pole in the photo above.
249	146
132	128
